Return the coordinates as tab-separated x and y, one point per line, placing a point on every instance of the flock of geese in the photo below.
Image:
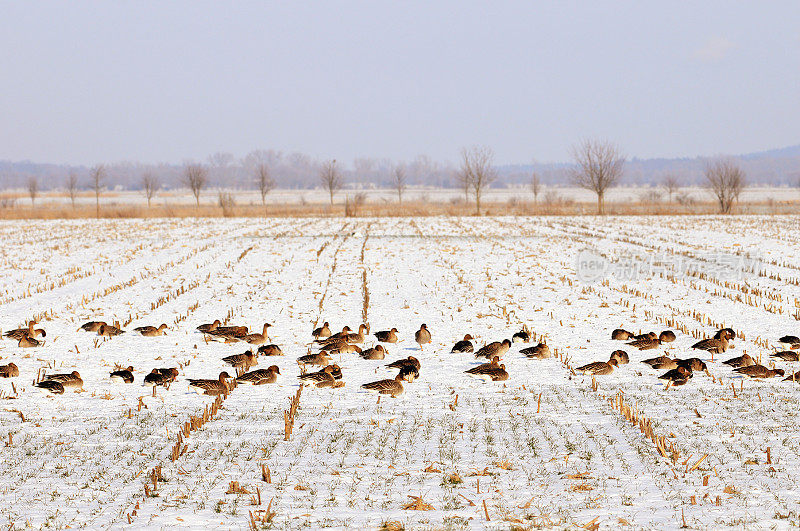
327	374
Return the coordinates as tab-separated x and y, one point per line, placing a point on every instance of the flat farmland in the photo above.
548	447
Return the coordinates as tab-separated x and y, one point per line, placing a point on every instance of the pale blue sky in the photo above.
84	82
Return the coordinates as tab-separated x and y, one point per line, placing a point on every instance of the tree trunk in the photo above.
331	191
478	202
97	205
599	204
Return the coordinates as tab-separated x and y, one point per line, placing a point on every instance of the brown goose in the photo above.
109	330
387	336
123	375
260	376
677	376
386	387
410	361
791	340
211	387
759	371
422	336
314	378
621	335
693	364
523	335
645	343
151	331
713	345
208	327
482	371
71	380
409	373
648	335
322	332
230	334
347	348
338	335
50	387
20	333
334	344
539	352
91	326
160	377
793	377
599	368
496	348
29	342
745	360
786	355
258	339
667	336
465	345
376	353
270	350
9	371
357	337
662	363
621	356
494	374
728	332
244	360
320	358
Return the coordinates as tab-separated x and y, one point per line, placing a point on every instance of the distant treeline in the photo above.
780	167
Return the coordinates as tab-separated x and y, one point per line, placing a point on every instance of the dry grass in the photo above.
111	210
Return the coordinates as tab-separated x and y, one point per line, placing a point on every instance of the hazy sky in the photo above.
168	81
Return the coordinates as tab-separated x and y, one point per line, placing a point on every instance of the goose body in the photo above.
662	363
387	336
322	332
270	350
109	330
492	371
28	342
539	352
210	387
51	387
376	353
386	387
409	373
786	355
744	360
648	335
260	376
759	371
523	336
208	327
258	339
338	335
621	356
150	331
320	358
9	371
160	377
20	333
693	364
496	348
244	360
123	375
599	368
422	336
356	337
465	345
92	326
677	376
791	340
713	345
729	333
69	380
405	362
327	373
621	335
667	336
645	343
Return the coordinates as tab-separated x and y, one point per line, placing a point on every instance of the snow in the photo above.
541	449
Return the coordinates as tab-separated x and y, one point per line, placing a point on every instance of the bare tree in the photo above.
599	167
399	181
195	176
477	171
265	183
671	184
331	177
725	179
33	189
536	187
150	185
72	187
97	174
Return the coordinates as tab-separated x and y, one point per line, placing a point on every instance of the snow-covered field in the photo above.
548	447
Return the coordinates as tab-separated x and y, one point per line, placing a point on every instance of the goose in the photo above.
662	363
109	330
9	371
258	339
759	371
482	371
645	343
230	334
621	335
260	376
51	387
387	336
244	360
409	373
496	348
648	335
322	332
315	377
320	358
621	356
791	340
405	362
376	353
386	387
793	377
523	336
539	352
20	333
677	376
745	360
729	332
713	345
667	336
91	326
160	377
208	327
151	331
357	337
693	364
338	335
29	342
334	344
599	368
465	345
422	336
347	348
211	387
786	355
270	350
71	380
123	375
